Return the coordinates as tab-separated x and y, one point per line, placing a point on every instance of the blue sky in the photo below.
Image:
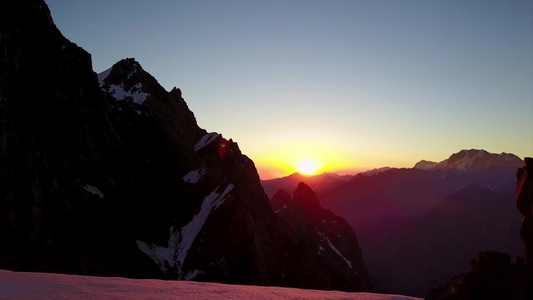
349	84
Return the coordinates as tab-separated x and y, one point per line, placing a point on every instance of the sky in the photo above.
349	85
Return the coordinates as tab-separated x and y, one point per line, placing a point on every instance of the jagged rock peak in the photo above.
304	195
126	79
320	236
125	68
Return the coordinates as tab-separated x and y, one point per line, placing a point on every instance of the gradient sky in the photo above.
351	85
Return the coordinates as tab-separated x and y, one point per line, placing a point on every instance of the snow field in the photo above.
40	286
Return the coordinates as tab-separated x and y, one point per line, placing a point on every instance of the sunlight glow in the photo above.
307	167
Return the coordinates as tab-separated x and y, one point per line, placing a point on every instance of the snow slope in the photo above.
23	285
180	241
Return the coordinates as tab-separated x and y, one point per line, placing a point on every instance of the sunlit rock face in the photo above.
110	175
326	239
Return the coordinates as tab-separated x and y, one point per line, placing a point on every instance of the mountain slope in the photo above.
111	175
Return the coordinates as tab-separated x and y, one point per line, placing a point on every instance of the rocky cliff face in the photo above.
54	135
315	230
111	175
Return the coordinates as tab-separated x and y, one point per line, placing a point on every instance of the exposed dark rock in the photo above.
524	203
327	237
111	175
280	200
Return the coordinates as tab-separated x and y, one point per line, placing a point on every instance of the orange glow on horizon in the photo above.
307	157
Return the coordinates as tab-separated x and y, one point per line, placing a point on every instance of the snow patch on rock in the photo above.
94	190
118	92
173	255
194	176
332	247
205	140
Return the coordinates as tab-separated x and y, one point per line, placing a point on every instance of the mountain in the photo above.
316	230
414	218
469	160
111	175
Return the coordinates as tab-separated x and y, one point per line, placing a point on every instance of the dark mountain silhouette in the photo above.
412	219
111	175
315	230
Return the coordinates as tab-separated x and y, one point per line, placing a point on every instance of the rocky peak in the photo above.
313	228
127	80
425	165
101	179
305	197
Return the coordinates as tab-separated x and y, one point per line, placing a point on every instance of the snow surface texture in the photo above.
180	241
22	285
205	140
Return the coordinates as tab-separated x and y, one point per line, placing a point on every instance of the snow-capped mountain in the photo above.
111	175
425	165
470	160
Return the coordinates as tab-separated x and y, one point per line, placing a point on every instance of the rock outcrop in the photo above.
111	175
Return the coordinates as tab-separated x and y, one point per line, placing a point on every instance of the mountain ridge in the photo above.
473	159
112	175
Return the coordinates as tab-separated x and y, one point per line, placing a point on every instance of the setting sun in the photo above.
307	167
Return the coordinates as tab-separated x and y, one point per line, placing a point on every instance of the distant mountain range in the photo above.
430	219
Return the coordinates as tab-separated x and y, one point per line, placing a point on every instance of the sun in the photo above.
307	167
